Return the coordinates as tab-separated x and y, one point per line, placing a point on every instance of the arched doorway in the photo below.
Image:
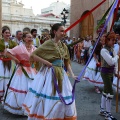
6	27
87	25
26	30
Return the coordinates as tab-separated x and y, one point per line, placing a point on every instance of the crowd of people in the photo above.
33	75
102	70
81	51
28	73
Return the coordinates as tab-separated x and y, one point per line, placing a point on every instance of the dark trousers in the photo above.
86	56
107	80
70	52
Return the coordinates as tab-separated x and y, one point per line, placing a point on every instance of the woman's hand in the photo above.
118	53
98	64
118	76
17	61
75	77
48	64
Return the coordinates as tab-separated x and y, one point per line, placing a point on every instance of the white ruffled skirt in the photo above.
5	75
115	84
18	89
91	76
40	103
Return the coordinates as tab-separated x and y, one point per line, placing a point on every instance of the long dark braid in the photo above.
97	52
7	65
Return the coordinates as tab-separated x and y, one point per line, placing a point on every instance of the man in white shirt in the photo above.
18	39
87	44
68	42
36	41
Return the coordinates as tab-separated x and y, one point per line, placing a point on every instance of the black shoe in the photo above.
109	117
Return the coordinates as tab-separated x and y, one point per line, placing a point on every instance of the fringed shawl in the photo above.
50	52
12	44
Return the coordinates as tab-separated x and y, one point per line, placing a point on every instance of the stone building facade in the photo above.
16	17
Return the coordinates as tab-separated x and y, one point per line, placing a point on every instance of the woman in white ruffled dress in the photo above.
43	101
5	62
21	81
92	72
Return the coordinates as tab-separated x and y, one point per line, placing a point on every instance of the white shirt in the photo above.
87	44
19	42
116	48
34	42
82	52
109	59
69	42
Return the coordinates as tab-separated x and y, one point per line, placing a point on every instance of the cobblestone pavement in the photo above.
87	102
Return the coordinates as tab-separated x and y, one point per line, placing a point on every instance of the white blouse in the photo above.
109	59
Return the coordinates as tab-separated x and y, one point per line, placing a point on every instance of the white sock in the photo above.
103	102
108	105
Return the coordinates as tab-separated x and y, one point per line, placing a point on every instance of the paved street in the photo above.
87	102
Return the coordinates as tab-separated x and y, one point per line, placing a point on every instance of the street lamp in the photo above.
64	15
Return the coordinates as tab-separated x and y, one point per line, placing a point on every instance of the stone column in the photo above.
0	17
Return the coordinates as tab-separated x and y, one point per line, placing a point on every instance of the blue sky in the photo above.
37	5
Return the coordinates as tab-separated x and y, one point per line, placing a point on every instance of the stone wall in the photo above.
77	9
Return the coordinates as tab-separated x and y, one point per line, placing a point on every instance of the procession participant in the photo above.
93	68
92	73
102	39
18	38
116	49
115	84
87	44
117	43
82	55
75	47
36	41
42	100
21	81
108	68
5	62
69	41
79	50
91	48
42	40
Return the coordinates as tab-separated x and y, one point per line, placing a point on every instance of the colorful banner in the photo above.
104	17
84	16
110	15
115	15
